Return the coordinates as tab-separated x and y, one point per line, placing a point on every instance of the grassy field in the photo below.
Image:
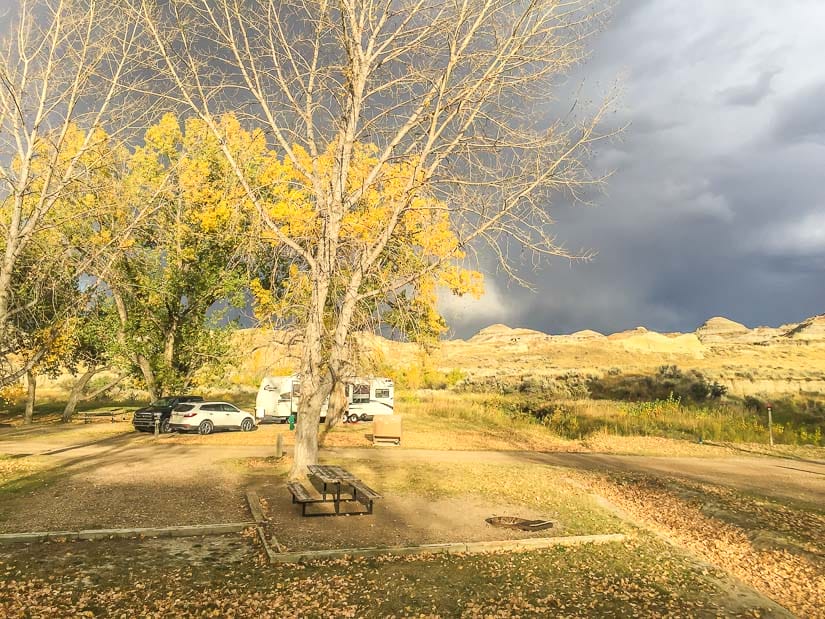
20	474
448	420
670	417
49	410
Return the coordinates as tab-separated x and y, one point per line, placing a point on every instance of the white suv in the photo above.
205	417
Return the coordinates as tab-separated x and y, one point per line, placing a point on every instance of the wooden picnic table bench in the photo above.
330	481
87	416
301	496
365	495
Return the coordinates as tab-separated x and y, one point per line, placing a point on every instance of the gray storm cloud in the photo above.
716	203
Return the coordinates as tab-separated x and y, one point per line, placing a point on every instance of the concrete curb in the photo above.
97	534
515	545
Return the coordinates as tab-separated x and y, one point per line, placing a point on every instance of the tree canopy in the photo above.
410	134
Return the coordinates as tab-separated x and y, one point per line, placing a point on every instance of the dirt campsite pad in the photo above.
435	503
123	481
25	440
399	521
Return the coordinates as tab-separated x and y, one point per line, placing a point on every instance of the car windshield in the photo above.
182	408
164	402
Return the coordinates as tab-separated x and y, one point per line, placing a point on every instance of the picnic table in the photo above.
339	485
90	415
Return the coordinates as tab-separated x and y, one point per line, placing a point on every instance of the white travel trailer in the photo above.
278	398
367	398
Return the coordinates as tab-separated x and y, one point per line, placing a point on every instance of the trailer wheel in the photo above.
353	418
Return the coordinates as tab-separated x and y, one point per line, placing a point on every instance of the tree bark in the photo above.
76	393
315	389
169	342
138	359
337	409
148	377
5	286
31	382
337	403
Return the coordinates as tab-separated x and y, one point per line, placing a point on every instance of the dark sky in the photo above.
717	203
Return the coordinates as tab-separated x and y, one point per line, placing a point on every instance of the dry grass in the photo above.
435	420
444	420
537	487
447	420
22	474
772	547
14	469
219	577
604	442
59	435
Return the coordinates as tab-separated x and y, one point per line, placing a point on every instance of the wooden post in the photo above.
770	424
279	446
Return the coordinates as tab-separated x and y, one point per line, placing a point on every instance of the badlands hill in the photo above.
785	360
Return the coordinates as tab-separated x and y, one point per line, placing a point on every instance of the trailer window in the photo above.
361	393
382	393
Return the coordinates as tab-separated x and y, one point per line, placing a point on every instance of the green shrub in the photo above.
688	386
670	417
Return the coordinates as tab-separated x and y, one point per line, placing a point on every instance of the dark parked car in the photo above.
144	419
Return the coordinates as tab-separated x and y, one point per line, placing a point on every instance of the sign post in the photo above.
770	423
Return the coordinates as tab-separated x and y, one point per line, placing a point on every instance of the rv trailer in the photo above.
278	398
367	398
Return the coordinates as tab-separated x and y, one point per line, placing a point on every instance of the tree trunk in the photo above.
31	382
313	395
106	387
337	409
138	359
8	263
148	377
314	391
337	404
169	342
76	393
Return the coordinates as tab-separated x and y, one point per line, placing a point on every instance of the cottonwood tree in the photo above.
38	328
93	350
66	328
452	91
183	268
62	67
419	252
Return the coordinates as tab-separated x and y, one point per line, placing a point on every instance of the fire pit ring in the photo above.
522	524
